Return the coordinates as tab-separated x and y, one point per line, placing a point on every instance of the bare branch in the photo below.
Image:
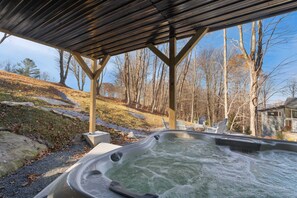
253	41
241	44
5	36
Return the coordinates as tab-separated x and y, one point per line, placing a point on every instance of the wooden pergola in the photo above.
99	29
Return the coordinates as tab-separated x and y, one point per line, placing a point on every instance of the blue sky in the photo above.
16	49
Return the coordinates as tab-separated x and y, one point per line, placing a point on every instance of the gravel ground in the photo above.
32	178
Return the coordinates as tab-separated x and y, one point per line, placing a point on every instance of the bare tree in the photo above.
45	76
5	36
237	91
127	80
78	73
100	81
210	62
262	38
64	63
291	88
158	74
183	74
195	79
131	73
254	62
7	66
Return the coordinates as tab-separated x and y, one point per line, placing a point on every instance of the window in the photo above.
276	113
294	114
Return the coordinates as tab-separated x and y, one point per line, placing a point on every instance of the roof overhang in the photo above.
97	28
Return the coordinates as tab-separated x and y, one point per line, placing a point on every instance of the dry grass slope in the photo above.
109	110
51	127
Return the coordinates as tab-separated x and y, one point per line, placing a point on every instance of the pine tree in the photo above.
28	68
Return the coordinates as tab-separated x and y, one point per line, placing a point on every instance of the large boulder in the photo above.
15	150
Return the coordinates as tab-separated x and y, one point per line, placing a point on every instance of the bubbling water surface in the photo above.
199	168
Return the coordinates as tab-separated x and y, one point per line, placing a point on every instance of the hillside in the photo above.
48	126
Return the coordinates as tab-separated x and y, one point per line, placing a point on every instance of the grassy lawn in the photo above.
116	112
54	130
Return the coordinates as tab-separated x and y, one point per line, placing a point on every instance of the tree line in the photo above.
214	83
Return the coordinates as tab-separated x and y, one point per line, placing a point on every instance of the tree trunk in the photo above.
193	102
153	103
225	75
61	67
67	68
127	79
253	99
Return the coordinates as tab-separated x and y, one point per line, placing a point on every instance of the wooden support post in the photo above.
172	62
172	83
93	74
96	73
92	126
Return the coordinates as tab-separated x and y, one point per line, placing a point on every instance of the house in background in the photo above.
281	117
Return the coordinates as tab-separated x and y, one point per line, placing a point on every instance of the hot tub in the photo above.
187	164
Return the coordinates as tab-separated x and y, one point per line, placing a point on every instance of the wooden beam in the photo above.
92	124
190	44
83	64
172	83
158	53
103	63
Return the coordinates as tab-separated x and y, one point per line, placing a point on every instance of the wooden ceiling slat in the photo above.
107	22
179	21
141	26
81	20
183	24
94	28
19	7
114	30
57	17
17	19
48	19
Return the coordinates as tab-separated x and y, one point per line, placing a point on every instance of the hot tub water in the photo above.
198	168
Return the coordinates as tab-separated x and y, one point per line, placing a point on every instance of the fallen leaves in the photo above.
30	178
121	138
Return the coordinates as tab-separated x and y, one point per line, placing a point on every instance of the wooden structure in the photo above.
172	62
93	74
98	29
